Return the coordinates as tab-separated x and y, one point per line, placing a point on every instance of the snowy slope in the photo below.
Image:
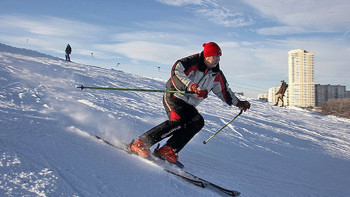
47	146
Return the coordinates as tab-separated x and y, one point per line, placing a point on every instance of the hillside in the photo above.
48	149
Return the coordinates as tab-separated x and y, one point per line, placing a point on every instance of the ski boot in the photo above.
140	148
167	153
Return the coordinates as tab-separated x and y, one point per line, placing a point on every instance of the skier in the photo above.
199	73
68	52
280	92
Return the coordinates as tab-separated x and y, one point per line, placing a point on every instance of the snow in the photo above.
47	144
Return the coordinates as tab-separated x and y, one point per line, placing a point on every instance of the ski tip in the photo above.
235	193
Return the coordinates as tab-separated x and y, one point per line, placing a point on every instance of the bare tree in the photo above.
338	107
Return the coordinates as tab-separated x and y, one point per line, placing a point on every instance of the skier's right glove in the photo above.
243	105
198	90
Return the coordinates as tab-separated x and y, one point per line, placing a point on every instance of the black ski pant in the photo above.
181	128
67	57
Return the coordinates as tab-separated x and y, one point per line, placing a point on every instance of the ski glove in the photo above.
243	105
198	90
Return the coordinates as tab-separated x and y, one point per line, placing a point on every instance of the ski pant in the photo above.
67	57
279	97
183	124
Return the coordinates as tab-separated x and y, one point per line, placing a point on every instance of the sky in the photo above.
146	37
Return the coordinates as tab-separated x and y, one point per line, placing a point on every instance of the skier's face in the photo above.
212	61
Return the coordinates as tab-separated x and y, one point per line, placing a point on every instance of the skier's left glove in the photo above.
202	93
243	105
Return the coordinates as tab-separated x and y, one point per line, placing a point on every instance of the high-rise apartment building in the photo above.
301	78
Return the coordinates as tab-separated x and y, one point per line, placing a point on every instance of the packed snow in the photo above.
48	148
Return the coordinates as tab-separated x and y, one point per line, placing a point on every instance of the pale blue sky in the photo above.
142	35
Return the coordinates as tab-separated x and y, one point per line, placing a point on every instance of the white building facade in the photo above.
301	78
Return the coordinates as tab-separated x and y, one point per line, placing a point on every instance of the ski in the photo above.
117	147
214	186
187	176
188	179
204	183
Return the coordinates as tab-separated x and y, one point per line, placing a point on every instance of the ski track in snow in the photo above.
48	147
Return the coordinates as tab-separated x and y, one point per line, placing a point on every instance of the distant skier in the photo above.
68	52
199	73
280	93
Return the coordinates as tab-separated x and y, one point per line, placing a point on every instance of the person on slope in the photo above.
68	52
280	93
199	73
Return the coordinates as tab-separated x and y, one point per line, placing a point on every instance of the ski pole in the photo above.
139	90
206	141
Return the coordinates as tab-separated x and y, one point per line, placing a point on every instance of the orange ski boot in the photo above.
167	153
140	148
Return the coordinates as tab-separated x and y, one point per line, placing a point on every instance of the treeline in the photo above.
337	107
